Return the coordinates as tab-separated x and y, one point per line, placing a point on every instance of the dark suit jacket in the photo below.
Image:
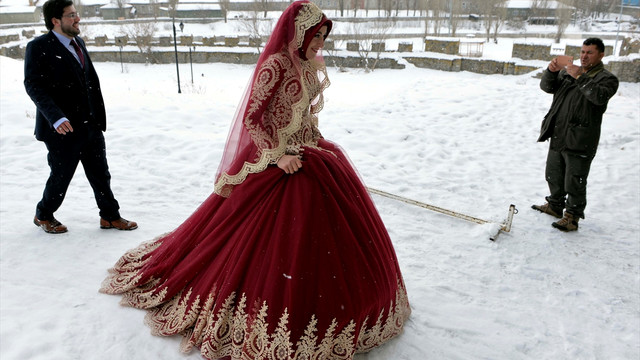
60	87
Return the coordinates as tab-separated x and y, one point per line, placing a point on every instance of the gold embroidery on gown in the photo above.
288	120
228	330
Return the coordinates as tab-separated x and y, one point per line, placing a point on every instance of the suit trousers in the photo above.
566	175
84	145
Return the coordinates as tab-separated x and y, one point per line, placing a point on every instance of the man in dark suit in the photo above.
62	82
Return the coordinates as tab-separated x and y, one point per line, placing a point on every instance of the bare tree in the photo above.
539	9
264	5
224	6
425	5
256	28
500	17
563	18
439	11
336	60
493	14
455	8
355	5
415	6
601	7
370	37
387	6
143	33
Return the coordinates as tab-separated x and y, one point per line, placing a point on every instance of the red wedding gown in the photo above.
274	266
285	260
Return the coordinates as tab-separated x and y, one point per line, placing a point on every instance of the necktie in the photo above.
78	51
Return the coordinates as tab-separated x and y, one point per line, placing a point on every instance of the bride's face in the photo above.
317	42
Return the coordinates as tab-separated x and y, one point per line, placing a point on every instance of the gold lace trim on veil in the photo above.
282	140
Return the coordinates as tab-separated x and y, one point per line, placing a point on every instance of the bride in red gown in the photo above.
288	258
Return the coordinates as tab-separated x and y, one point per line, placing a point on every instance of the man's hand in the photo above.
64	128
554	66
290	163
574	71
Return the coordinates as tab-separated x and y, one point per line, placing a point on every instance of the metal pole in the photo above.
615	47
175	48
121	65
191	62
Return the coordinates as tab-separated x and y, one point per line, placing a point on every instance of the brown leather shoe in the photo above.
567	223
547	209
52	226
120	224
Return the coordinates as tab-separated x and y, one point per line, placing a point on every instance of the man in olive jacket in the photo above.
580	97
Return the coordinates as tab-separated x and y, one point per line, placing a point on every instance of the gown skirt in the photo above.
287	267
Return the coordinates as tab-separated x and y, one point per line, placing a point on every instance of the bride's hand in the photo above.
290	163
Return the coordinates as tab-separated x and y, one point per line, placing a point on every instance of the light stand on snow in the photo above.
506	226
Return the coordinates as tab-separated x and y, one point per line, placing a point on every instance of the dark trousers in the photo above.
85	145
566	175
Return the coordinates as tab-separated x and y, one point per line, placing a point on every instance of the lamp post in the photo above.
194	48
119	41
191	62
175	48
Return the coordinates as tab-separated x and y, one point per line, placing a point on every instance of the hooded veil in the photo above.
260	132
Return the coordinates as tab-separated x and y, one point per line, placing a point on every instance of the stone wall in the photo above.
442	46
472	65
14	52
575	51
405	47
9	38
360	63
542	52
627	71
531	52
168	57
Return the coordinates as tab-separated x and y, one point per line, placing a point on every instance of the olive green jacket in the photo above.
574	119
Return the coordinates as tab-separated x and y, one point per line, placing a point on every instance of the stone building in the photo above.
19	14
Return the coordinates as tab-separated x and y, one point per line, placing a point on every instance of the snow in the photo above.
460	141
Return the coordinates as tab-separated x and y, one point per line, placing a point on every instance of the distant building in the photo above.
115	12
147	8
198	10
86	8
19	14
536	12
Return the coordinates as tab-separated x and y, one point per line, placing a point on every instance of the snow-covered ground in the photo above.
461	141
